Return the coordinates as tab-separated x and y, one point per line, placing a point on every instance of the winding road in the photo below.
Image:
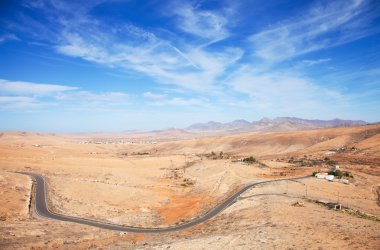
41	208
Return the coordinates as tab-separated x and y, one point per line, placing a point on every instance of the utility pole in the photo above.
338	197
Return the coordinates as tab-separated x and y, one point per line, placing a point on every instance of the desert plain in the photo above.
154	181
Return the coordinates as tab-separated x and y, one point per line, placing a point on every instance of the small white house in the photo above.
321	175
325	176
330	177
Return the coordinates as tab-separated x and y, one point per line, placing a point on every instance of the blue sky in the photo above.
71	66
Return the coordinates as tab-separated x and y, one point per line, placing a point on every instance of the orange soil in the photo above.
182	207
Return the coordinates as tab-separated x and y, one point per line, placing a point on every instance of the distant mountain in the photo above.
237	124
276	124
207	126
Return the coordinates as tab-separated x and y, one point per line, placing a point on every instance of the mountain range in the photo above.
276	124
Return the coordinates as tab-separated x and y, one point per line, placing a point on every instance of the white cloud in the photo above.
16	95
11	99
188	65
154	96
30	88
309	63
180	101
193	68
210	66
343	21
107	98
282	93
206	24
8	37
19	102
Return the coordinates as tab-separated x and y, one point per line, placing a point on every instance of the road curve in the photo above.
41	208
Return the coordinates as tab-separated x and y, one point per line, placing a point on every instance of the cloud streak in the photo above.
191	66
19	94
205	24
321	27
279	93
30	88
154	96
11	99
8	37
180	101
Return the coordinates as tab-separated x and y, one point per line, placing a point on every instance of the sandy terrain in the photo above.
140	182
14	196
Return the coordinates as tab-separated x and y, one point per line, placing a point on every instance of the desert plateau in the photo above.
133	181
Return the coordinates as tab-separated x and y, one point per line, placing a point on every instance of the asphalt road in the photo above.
41	208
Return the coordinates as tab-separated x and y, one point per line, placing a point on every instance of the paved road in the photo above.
42	210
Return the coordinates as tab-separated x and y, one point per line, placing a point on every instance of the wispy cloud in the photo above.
106	98
205	24
17	94
285	93
342	21
276	88
210	66
154	96
180	101
11	99
30	88
8	37
124	45
19	102
310	63
195	68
